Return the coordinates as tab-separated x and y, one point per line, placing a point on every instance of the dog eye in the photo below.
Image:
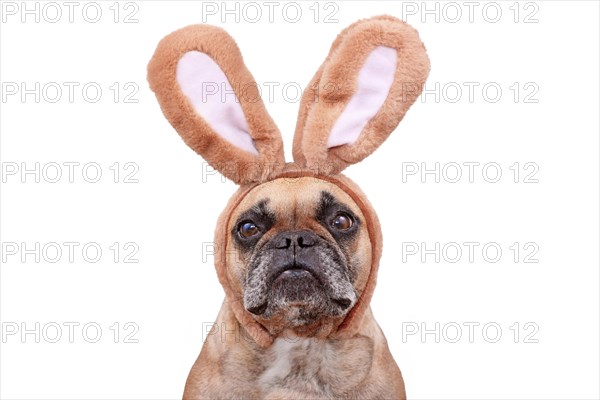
248	229
342	222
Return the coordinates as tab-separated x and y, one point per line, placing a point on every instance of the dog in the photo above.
298	245
302	259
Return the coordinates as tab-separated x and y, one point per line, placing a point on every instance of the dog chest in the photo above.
316	367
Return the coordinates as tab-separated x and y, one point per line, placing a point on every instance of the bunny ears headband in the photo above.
374	72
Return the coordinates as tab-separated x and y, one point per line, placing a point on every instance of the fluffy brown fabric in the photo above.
334	84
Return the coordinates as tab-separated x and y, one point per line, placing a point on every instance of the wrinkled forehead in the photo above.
302	196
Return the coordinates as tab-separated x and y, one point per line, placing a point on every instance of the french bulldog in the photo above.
298	245
300	259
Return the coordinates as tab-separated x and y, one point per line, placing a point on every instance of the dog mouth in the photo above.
301	272
293	271
298	284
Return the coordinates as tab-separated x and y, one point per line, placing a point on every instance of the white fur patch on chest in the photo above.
315	367
282	356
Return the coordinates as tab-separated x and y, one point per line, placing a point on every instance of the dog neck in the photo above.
233	365
292	361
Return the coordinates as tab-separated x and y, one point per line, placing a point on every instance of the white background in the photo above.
171	211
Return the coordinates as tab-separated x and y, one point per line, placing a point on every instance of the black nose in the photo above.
285	240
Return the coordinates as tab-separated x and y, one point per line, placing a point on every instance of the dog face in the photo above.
298	254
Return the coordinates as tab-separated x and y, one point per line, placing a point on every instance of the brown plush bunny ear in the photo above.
211	99
374	72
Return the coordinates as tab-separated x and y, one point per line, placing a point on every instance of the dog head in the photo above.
300	254
298	244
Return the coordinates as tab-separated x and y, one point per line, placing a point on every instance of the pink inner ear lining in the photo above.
206	86
374	82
